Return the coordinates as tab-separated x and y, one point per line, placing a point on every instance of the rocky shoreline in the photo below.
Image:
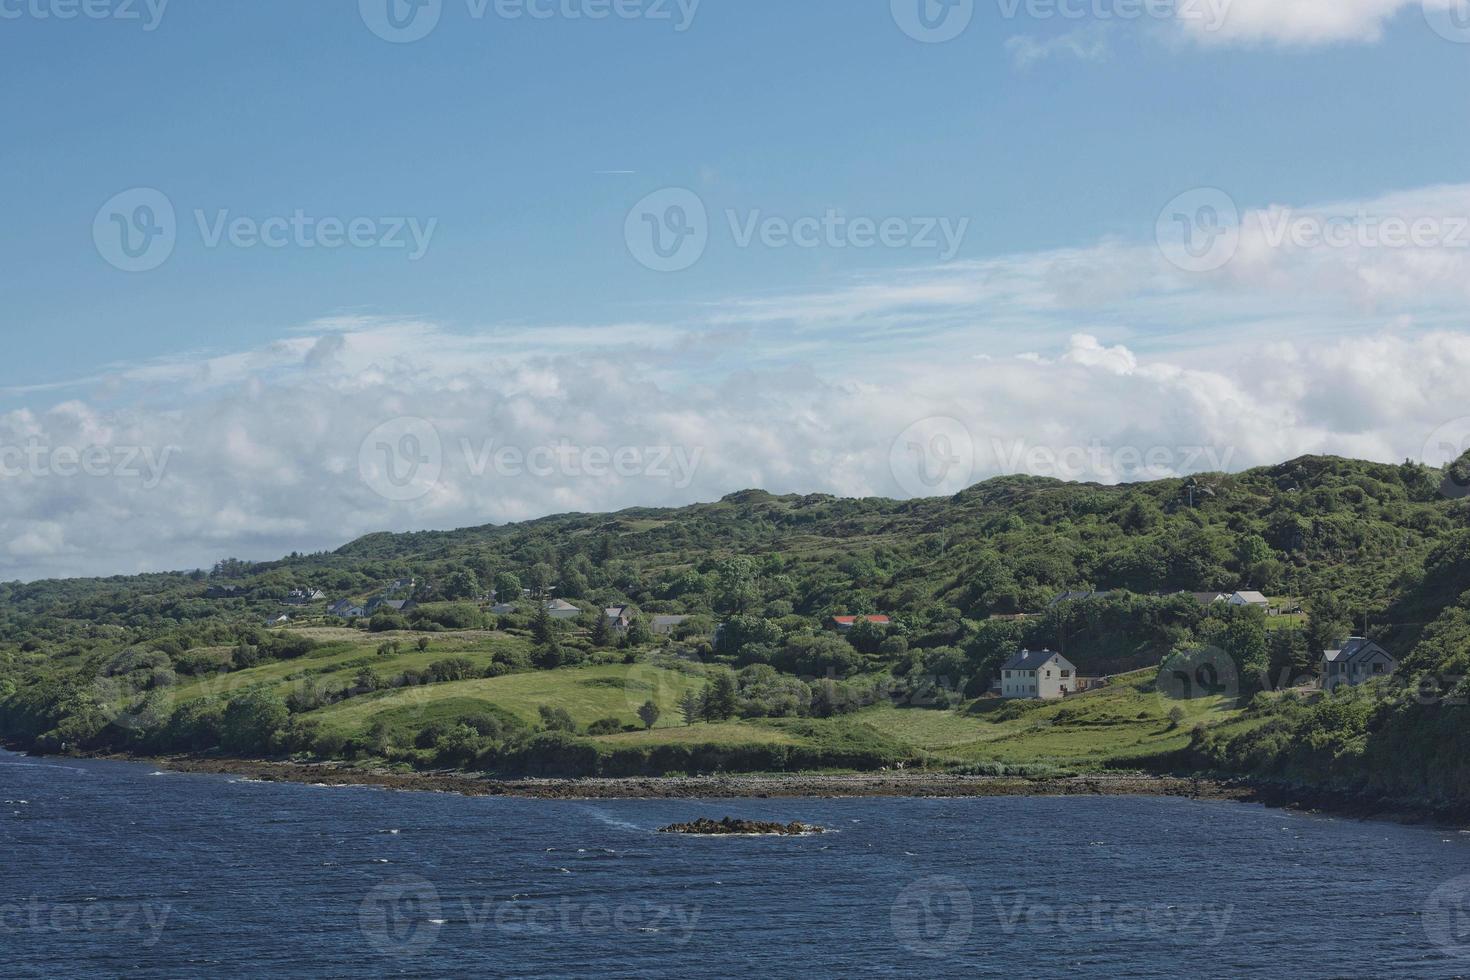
731	827
754	786
915	784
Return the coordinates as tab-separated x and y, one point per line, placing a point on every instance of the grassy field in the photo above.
1122	725
345	652
588	694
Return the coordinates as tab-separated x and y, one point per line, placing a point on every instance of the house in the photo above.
1038	675
1355	662
619	618
1076	597
391	605
1206	598
346	609
504	609
561	609
845	624
280	620
300	597
665	625
1255	599
401	584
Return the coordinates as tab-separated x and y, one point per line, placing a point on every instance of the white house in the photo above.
665	625
1356	662
1038	674
1255	599
561	609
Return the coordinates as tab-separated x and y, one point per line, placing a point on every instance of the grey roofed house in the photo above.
619	617
561	609
1355	662
1207	598
1032	659
504	609
1039	675
1248	599
664	625
397	605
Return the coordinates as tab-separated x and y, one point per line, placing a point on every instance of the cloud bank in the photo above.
1110	362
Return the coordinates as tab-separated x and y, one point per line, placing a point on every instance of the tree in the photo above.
689	707
638	632
461	584
601	630
423	643
721	697
540	577
649	713
737	584
543	627
507	587
251	720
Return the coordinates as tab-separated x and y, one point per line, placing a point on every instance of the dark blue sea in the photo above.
115	869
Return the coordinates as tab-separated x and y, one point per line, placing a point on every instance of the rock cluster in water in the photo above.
731	826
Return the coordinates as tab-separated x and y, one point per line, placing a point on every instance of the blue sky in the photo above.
525	143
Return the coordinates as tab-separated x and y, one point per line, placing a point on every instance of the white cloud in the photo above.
1359	350
1298	22
1085	44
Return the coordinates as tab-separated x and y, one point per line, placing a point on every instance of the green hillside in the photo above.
188	662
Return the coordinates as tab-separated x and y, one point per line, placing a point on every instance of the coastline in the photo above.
854	785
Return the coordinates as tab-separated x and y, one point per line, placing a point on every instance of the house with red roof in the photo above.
845	623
